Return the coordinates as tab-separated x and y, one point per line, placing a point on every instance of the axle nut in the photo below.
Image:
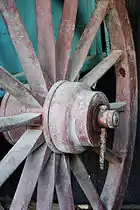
108	118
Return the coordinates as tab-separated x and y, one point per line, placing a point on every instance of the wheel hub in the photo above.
73	117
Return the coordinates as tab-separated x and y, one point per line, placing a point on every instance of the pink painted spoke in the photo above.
98	71
63	186
85	183
29	177
79	56
64	42
23	47
18	153
46	38
17	89
46	183
10	122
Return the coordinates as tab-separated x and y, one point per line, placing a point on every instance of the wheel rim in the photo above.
57	166
121	13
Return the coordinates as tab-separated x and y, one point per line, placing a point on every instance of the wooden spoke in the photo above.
10	122
85	183
64	42
46	39
63	186
17	89
1	207
46	183
18	153
118	106
110	155
98	71
78	57
23	47
29	177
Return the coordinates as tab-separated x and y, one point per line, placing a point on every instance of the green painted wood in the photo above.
8	56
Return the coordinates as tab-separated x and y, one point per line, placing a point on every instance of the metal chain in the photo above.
103	137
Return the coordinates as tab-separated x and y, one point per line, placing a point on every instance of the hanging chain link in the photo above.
103	137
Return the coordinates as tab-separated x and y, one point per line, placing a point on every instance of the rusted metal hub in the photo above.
108	118
73	115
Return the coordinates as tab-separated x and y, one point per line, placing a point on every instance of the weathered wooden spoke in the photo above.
65	38
1	207
11	122
23	47
29	177
82	176
98	71
110	155
18	153
46	39
46	183
63	185
79	56
119	106
17	89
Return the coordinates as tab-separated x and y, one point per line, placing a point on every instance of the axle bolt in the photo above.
108	118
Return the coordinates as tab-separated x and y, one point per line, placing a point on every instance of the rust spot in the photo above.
122	72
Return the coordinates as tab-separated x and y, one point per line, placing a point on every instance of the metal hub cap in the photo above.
71	115
108	118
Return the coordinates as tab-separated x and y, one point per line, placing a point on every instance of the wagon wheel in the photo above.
63	116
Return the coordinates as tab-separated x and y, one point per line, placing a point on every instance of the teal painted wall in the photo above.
8	56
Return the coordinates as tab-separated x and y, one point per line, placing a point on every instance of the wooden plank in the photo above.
1	207
10	122
63	186
98	71
65	37
46	182
17	89
46	53
110	155
29	177
18	153
82	49
118	106
83	178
